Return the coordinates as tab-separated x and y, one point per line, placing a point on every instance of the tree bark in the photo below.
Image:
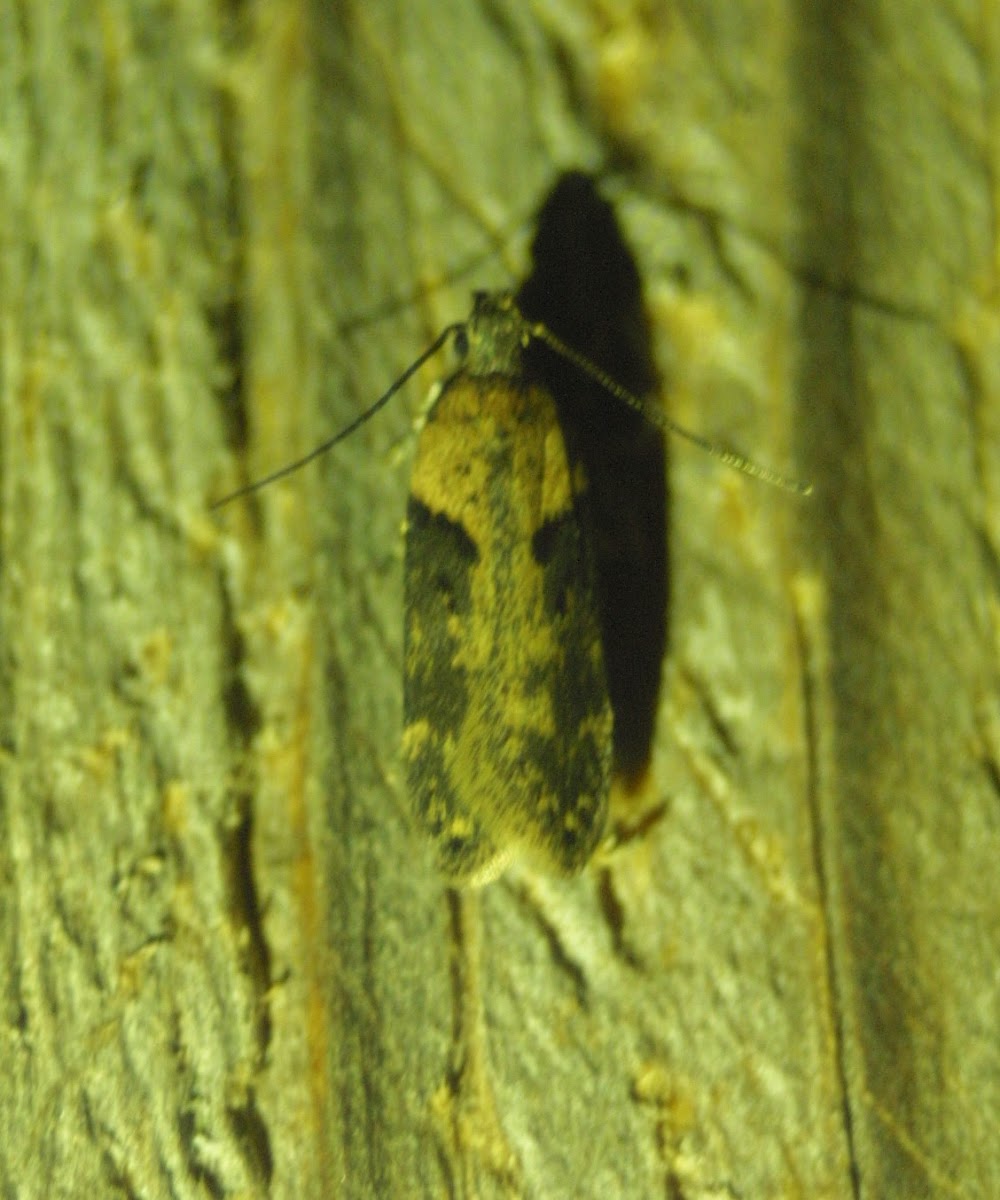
230	968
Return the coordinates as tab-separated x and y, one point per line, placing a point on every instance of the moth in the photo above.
507	721
535	575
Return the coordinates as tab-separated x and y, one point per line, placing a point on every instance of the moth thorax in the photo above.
495	336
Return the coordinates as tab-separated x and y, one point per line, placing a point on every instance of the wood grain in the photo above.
229	967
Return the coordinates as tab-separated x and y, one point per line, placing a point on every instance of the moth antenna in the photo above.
358	421
731	458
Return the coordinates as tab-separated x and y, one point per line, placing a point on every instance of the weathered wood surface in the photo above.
229	969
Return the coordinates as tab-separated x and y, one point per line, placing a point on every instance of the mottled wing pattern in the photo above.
508	726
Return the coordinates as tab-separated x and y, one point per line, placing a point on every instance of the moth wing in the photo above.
440	561
507	720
